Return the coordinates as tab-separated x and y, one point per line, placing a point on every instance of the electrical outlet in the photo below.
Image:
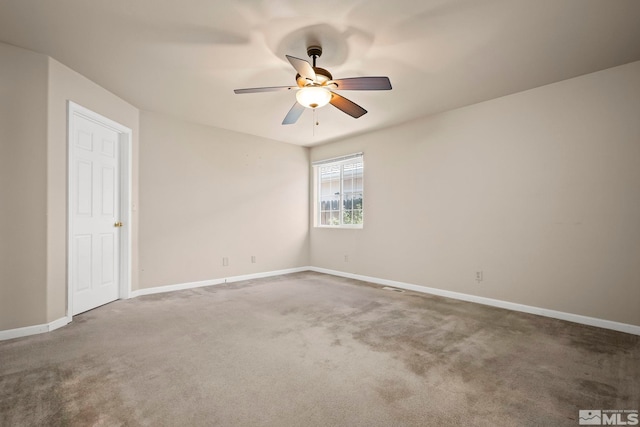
479	276
253	259
225	262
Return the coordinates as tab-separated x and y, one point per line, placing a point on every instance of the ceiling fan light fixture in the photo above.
313	96
316	86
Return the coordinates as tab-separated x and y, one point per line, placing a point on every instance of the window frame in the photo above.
317	205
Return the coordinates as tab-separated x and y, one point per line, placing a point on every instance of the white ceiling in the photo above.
184	58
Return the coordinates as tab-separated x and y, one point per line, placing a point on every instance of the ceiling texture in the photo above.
184	58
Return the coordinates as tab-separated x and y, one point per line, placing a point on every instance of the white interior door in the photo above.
95	214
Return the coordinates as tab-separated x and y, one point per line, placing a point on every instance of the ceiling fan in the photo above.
316	87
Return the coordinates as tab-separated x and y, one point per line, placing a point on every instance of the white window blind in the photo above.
339	189
338	159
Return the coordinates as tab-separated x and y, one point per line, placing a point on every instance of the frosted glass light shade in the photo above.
313	96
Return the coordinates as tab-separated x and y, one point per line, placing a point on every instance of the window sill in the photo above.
344	227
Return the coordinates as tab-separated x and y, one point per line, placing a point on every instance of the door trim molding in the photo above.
126	152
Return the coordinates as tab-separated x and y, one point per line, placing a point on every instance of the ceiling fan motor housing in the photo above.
322	76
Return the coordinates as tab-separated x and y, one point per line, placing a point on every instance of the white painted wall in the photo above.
208	193
540	190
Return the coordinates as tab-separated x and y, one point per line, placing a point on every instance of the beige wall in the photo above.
207	193
23	177
33	187
540	190
66	84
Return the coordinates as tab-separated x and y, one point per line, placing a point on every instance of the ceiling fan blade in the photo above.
349	107
364	83
302	67
264	89
294	114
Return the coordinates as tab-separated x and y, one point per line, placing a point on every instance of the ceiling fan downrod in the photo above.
314	52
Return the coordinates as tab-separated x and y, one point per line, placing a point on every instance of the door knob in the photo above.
118	224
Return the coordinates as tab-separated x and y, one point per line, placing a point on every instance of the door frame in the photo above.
125	144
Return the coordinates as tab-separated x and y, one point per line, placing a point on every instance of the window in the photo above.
339	191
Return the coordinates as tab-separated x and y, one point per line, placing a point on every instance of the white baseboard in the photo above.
576	318
33	330
191	285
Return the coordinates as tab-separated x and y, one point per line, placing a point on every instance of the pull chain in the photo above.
315	122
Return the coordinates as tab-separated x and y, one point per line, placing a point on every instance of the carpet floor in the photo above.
309	349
